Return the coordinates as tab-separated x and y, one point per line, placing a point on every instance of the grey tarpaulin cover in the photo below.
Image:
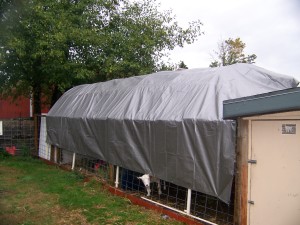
168	124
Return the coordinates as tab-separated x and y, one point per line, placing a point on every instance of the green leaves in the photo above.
231	51
48	45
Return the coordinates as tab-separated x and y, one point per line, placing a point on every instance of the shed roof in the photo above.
271	102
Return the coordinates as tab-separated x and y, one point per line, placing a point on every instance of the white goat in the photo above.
147	179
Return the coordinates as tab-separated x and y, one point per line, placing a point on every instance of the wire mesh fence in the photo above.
202	206
18	136
212	209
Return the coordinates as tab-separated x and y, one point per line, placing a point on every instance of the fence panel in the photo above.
202	206
206	208
19	134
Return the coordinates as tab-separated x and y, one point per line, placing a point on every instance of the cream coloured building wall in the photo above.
274	180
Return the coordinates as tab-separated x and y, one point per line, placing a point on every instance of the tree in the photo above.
231	52
182	65
163	66
48	46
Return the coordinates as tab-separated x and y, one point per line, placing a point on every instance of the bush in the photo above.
25	151
4	154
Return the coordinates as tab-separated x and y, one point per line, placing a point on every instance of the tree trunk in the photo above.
56	94
37	92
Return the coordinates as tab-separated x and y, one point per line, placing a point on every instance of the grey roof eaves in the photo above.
272	102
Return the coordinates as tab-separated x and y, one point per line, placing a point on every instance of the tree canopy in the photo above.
231	51
48	46
182	65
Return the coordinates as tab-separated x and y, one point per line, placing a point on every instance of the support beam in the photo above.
188	202
73	162
241	177
55	154
117	177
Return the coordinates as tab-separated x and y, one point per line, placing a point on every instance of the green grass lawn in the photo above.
32	192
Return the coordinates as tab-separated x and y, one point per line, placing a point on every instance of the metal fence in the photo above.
206	208
18	134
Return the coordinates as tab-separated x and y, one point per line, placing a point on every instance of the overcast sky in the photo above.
269	28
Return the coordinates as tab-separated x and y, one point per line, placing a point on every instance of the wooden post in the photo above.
59	155
55	154
36	135
111	174
241	177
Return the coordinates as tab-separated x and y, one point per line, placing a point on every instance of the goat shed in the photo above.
268	157
168	124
